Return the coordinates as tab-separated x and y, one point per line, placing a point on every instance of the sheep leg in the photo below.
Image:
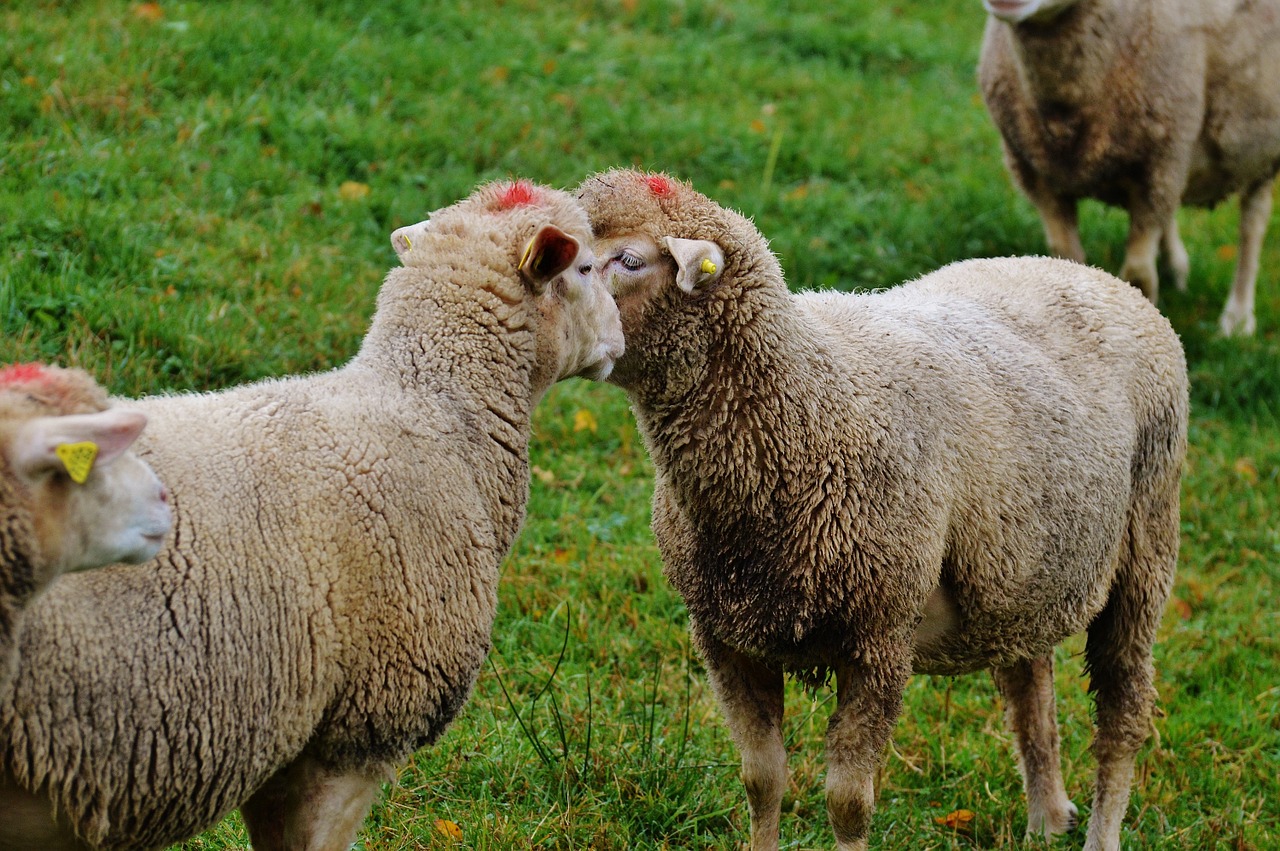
750	694
307	807
1059	216
1031	712
868	700
1176	253
1145	230
29	821
1255	212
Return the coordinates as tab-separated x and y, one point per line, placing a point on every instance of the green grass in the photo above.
175	217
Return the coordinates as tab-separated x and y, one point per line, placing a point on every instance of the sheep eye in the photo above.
584	269
631	261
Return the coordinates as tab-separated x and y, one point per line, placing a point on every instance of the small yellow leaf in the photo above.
757	126
1181	607
450	829
1226	253
1247	470
352	190
957	820
545	476
584	420
148	12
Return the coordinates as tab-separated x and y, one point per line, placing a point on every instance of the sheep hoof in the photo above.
1054	822
1237	323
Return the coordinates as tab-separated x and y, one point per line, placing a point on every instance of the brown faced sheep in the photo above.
327	599
1143	106
71	496
951	475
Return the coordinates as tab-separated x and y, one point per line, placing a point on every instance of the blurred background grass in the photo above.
199	194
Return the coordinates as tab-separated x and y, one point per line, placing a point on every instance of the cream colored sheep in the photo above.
950	475
71	496
327	599
1143	106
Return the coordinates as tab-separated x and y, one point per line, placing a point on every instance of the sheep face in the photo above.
1017	11
580	332
88	509
657	286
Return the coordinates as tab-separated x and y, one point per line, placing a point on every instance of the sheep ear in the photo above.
698	262
548	254
402	239
75	442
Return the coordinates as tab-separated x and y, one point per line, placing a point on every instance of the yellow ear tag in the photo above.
528	249
408	243
708	266
77	458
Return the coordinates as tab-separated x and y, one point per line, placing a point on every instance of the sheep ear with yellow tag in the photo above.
699	262
549	253
74	443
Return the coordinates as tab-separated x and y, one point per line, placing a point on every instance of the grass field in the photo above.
199	194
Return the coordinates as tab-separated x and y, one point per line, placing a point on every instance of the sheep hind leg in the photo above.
868	700
1255	211
1031	713
750	695
1119	660
306	807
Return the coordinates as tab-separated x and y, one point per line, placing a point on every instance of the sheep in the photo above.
71	496
953	474
1143	106
326	600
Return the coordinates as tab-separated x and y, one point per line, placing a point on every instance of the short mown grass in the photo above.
195	195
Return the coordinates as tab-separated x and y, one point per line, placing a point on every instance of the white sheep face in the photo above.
1017	11
580	321
635	269
119	513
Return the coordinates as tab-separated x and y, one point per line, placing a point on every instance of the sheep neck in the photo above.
469	352
1063	61
723	436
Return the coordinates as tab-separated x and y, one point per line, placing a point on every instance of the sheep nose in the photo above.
164	494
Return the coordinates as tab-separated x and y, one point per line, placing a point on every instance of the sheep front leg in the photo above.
307	807
1061	225
750	694
1146	227
1176	254
1031	712
868	700
1255	211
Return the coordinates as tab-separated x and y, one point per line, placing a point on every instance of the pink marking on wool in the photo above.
23	373
658	184
519	194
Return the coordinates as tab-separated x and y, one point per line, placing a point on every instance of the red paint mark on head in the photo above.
23	373
520	193
659	184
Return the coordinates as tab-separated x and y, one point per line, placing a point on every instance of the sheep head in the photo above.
537	238
683	270
67	468
1017	11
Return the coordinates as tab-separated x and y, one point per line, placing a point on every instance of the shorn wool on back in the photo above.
327	596
72	497
950	475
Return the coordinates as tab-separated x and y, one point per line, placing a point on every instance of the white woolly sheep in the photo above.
327	599
1143	106
71	496
950	475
